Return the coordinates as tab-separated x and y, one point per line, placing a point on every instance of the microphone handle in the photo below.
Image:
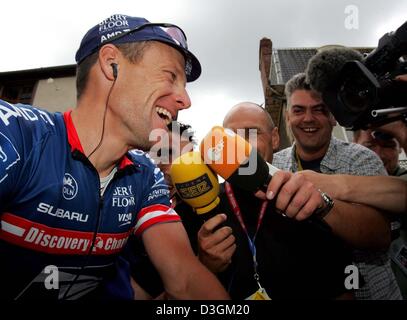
209	215
266	183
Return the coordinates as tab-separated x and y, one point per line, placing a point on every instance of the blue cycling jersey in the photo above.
52	213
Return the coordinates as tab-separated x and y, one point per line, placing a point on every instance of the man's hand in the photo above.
332	184
361	226
216	248
296	197
402	77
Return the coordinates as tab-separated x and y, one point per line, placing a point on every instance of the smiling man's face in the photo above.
310	122
149	93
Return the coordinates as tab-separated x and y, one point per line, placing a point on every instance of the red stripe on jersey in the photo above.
75	143
73	137
156	220
153	214
39	237
154	207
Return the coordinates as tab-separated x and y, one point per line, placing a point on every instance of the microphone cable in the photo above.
104	120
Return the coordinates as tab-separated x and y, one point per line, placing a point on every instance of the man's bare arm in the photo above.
183	275
359	225
382	192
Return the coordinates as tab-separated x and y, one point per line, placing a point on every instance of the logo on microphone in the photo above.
215	153
194	188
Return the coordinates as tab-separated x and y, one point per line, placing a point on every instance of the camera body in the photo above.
362	87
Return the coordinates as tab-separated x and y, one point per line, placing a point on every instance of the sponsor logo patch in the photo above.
70	187
8	156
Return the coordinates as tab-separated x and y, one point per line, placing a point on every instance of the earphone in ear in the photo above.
115	70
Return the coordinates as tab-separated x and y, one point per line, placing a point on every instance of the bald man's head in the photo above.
252	118
250	108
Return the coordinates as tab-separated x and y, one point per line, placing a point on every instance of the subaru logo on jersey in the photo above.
70	187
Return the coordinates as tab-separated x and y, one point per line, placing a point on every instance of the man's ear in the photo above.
332	120
287	118
108	61
287	113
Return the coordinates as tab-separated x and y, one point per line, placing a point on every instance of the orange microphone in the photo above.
235	160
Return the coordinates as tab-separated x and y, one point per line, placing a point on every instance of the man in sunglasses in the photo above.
72	192
385	146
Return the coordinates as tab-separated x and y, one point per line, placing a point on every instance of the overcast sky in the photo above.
223	34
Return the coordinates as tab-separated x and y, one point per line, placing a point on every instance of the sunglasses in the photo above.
163	29
382	135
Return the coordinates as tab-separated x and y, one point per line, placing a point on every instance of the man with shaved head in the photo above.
248	115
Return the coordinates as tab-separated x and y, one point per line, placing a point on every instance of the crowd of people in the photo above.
90	192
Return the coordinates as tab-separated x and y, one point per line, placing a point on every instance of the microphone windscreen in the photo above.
194	182
324	68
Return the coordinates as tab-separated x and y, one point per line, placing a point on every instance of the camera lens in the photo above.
357	94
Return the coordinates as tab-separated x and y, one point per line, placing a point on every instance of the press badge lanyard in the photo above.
297	158
238	214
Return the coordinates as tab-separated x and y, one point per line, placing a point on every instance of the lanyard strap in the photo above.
297	158
238	214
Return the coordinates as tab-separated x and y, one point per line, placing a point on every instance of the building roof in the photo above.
286	63
39	73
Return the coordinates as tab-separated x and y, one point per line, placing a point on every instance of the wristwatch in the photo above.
324	210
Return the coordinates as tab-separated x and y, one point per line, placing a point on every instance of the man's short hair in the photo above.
183	128
133	51
298	82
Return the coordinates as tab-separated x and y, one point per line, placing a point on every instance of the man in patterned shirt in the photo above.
316	149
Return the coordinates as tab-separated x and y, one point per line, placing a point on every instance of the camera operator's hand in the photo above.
402	77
